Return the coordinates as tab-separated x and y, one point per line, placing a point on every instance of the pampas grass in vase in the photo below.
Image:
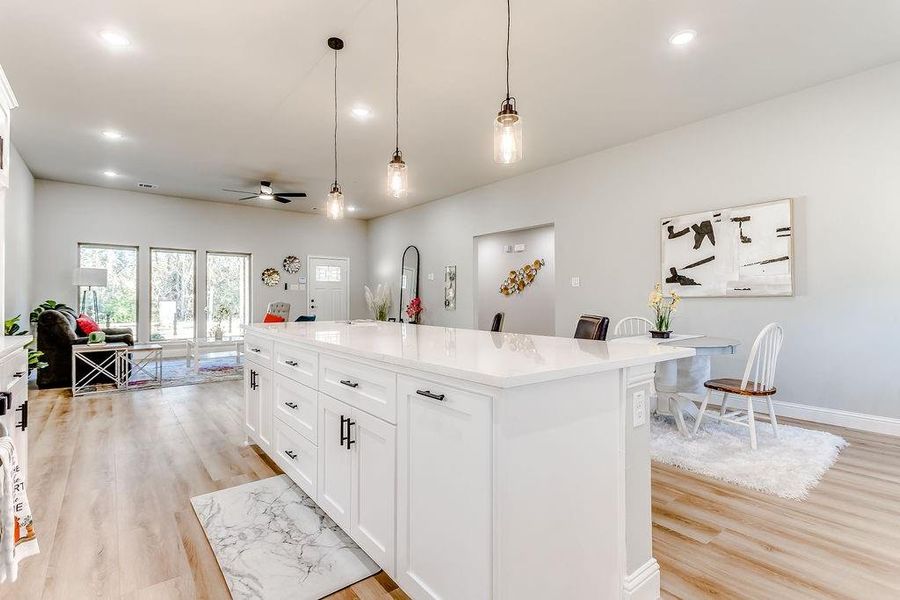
379	302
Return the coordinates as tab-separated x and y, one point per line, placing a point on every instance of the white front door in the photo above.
329	297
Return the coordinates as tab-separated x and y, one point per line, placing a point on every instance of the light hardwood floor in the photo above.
111	477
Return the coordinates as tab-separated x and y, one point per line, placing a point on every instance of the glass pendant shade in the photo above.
334	203
397	183
508	136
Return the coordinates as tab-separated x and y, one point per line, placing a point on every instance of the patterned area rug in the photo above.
789	466
215	368
273	543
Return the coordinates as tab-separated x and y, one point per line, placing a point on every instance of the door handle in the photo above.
428	394
349	383
23	424
350	442
346	437
291	454
291	405
253	384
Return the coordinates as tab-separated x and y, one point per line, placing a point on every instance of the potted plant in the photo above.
413	309
222	313
663	308
11	327
379	302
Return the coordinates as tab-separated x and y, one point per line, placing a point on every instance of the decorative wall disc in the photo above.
271	277
291	264
517	281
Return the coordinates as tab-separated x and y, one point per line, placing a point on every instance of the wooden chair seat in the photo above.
733	386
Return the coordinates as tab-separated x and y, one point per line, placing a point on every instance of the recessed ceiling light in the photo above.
114	39
361	113
110	173
681	38
111	134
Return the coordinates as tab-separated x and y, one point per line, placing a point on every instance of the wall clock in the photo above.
291	264
270	277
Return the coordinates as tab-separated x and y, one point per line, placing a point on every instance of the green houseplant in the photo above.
11	327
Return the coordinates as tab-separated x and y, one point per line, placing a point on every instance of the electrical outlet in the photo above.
576	282
639	402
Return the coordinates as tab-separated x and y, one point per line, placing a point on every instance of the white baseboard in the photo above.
841	418
643	583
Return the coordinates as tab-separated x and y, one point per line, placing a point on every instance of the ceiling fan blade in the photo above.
292	194
283	200
248	197
238	191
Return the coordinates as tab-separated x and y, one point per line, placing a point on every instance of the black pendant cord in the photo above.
397	82
508	18
335	118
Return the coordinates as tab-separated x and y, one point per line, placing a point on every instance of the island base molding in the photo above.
642	584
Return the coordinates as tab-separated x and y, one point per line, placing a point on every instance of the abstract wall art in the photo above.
518	280
741	251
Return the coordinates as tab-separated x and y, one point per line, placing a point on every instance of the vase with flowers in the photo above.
222	313
663	308
379	302
413	309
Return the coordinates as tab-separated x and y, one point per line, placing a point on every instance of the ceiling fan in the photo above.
267	193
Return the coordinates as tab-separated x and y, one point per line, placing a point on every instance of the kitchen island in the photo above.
469	465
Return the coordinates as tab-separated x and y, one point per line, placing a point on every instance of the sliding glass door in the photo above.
227	292
117	301
173	279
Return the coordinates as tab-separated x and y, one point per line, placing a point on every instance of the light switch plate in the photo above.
639	401
519	248
576	282
431	277
507	248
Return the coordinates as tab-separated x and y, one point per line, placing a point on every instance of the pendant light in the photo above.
396	169
508	124
334	202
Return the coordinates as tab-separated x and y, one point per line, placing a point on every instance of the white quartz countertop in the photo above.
11	343
494	359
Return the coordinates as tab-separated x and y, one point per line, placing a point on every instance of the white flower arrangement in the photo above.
379	302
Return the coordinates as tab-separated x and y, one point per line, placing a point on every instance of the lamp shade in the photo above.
89	277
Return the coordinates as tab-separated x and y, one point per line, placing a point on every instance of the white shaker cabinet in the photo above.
334	460
259	385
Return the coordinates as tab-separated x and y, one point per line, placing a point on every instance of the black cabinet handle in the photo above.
349	441
19	374
349	383
344	437
291	363
290	455
257	350
252	379
6	400
428	394
23	424
291	405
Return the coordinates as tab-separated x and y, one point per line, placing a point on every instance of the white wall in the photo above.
18	226
66	214
531	311
835	147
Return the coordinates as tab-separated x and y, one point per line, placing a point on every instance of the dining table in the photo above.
679	382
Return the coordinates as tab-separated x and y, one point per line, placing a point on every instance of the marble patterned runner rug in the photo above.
272	542
789	466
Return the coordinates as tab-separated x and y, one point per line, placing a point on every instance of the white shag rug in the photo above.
789	466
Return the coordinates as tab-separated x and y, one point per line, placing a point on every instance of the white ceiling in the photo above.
216	94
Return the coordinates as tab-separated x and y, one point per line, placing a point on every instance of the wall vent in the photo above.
147	186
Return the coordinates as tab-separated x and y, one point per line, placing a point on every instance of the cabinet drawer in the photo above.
297	364
297	406
258	350
297	456
14	370
367	388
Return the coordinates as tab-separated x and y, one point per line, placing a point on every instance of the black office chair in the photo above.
497	323
592	327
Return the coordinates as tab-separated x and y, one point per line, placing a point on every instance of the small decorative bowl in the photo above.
660	334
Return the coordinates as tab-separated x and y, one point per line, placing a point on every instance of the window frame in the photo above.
249	257
137	276
153	249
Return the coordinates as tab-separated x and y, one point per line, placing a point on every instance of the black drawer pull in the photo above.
428	394
349	383
257	350
291	363
19	374
290	455
291	405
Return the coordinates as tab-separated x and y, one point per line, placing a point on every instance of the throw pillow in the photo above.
86	325
270	318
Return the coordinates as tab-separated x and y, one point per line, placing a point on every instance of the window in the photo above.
172	282
227	292
118	300
328	273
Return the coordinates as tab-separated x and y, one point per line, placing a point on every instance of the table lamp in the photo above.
89	279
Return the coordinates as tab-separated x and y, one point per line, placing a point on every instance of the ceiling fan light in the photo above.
397	183
508	147
265	196
334	203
